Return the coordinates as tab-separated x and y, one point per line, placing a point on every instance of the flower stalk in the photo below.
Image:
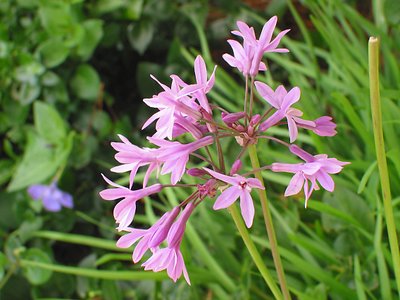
255	255
268	223
373	57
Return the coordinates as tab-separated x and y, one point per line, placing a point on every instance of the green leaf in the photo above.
3	262
92	36
140	35
36	275
86	82
107	6
49	123
55	17
110	290
6	170
53	52
40	161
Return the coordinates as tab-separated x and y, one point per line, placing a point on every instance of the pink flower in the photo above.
322	126
247	58
150	238
124	211
200	71
176	155
315	169
282	101
170	258
132	158
241	187
171	102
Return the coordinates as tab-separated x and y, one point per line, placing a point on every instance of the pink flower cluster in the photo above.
184	109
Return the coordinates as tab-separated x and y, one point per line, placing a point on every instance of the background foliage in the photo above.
73	74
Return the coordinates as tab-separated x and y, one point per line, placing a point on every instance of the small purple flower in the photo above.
52	197
241	187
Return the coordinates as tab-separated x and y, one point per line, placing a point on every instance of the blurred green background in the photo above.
73	74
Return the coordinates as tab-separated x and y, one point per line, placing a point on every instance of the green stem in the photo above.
101	274
79	239
268	224
373	51
10	272
254	252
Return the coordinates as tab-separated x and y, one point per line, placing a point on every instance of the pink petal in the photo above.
295	185
227	197
326	181
129	239
255	183
247	208
293	132
200	70
228	179
267	31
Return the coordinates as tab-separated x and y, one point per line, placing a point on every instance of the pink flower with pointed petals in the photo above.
132	158
176	155
124	211
247	58
316	169
170	258
149	238
241	187
171	102
200	72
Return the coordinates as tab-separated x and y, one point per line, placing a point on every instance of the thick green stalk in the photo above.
373	56
268	224
254	252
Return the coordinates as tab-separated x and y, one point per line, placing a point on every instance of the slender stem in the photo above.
204	159
268	224
254	252
220	153
245	100
256	171
10	272
79	239
373	51
103	274
273	139
251	98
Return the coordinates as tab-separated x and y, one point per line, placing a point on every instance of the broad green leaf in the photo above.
40	161
93	32
141	34
133	10
53	52
55	16
36	275
49	123
86	82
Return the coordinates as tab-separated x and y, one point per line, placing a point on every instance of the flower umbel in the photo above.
185	113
